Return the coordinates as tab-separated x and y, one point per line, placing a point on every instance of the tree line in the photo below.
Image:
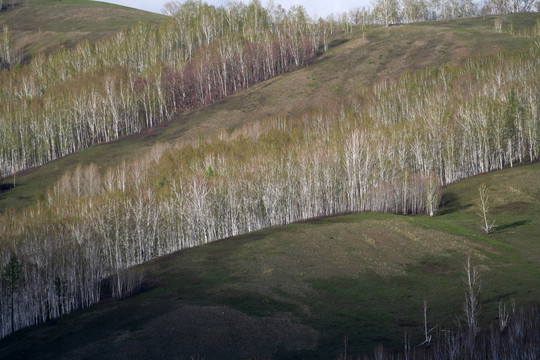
388	148
388	12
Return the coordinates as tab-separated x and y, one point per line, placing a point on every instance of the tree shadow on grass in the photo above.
6	187
450	203
337	42
512	225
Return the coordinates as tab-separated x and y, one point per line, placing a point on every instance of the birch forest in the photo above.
98	92
388	148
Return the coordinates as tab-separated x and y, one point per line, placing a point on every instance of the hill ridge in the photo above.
36	26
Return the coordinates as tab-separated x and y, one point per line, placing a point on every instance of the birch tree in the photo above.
484	204
8	56
386	11
471	305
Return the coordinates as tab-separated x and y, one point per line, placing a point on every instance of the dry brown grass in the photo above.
46	25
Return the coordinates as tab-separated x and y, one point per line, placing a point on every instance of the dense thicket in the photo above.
65	102
386	149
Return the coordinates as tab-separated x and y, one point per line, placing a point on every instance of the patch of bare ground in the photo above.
99	14
214	332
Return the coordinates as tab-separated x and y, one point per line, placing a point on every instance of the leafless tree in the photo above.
471	306
427	336
484	203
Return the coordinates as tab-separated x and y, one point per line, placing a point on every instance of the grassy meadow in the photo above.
45	26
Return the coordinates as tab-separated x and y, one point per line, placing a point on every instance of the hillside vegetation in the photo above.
99	92
351	63
388	149
44	26
299	290
284	119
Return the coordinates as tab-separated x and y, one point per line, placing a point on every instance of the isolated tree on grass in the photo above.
484	203
471	306
472	290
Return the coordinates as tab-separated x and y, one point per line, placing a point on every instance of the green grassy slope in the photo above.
298	290
353	62
45	25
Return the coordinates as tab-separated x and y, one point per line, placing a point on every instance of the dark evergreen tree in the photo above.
11	279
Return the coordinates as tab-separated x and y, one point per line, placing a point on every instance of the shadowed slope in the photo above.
298	290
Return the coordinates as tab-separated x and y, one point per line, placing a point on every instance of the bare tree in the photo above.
504	315
7	49
433	195
171	8
471	306
484	203
427	336
498	25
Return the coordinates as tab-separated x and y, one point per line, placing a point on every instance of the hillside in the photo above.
299	290
142	76
351	64
44	26
386	123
